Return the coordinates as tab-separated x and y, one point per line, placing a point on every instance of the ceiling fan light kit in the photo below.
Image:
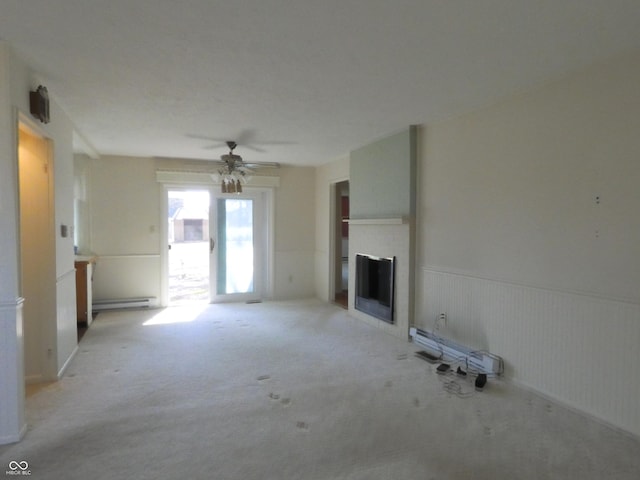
231	186
234	171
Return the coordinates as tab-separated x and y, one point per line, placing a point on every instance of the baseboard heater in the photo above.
122	303
445	350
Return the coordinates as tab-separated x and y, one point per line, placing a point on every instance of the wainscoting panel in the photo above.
126	276
581	350
12	417
293	275
67	325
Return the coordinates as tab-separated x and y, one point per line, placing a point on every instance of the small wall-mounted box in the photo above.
39	104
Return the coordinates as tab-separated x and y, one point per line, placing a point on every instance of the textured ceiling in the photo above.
305	81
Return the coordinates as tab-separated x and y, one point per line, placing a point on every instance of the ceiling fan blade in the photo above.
218	142
203	161
202	137
261	164
215	146
245	137
244	140
251	147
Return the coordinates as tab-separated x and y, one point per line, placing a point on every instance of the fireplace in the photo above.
374	293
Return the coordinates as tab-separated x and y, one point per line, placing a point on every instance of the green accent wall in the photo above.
382	177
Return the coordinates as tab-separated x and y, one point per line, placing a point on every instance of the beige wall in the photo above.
125	206
125	203
294	233
326	175
529	236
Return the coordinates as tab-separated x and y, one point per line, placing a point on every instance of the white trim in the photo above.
14	438
206	183
12	304
129	255
333	187
82	145
263	231
34	379
568	405
379	221
65	274
182	177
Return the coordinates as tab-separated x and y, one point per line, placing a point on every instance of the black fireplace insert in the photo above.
375	286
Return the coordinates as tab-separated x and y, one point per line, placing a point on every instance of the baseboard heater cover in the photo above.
478	361
121	303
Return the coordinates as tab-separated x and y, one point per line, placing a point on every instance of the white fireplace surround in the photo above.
384	239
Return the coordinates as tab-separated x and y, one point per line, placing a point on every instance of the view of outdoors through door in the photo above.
212	246
188	240
235	262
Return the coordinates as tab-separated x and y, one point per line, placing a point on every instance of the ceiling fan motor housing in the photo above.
231	158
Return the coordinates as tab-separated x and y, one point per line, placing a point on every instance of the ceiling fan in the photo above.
232	161
234	171
246	138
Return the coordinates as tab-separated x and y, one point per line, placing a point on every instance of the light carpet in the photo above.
292	390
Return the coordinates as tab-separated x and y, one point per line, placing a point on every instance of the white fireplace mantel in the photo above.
379	221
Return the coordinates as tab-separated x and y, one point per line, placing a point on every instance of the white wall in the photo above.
60	334
82	212
12	419
16	80
529	236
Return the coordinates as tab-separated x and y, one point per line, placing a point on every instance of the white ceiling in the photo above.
306	81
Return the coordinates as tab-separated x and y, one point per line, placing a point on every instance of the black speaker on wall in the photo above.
39	104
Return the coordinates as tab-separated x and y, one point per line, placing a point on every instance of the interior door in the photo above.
236	247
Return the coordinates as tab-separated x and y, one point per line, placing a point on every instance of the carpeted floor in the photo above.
292	390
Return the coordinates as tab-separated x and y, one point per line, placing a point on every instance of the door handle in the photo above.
212	244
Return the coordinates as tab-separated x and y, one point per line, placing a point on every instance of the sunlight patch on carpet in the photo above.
182	314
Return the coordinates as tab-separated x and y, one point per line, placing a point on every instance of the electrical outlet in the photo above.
441	321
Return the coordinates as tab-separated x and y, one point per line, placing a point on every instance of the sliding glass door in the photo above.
236	247
217	245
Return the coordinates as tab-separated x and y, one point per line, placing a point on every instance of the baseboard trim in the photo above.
66	364
14	438
31	379
573	408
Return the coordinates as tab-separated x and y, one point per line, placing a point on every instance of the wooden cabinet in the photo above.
84	276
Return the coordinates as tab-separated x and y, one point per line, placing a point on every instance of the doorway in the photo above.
341	260
217	245
37	254
188	245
